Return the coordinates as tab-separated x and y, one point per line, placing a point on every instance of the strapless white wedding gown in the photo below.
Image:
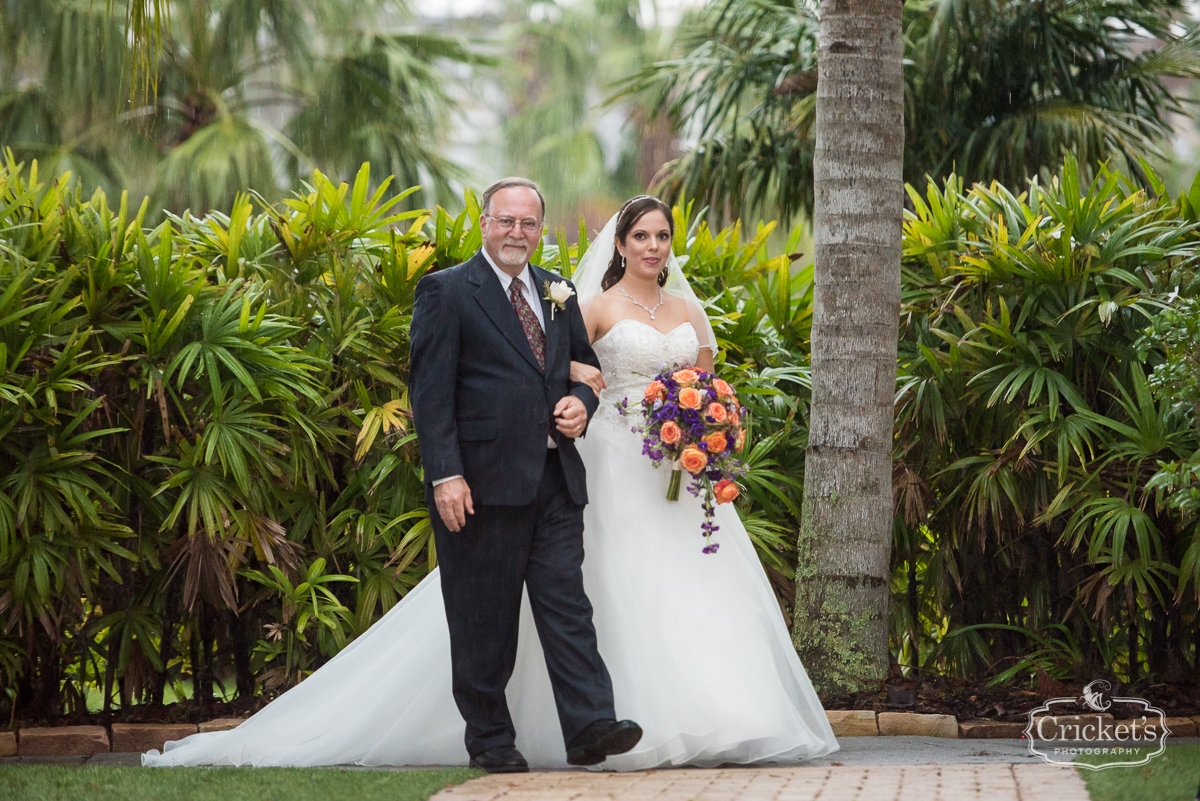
695	643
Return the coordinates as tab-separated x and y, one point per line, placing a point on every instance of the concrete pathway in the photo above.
977	782
865	769
876	751
855	752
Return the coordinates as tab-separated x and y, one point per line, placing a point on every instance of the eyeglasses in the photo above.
507	223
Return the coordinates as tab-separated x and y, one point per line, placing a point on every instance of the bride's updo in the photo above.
634	210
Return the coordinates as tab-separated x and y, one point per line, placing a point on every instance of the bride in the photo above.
695	643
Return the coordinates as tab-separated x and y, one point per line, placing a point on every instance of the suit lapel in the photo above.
490	295
551	316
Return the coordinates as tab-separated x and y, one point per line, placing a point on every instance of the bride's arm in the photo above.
705	335
586	373
591	318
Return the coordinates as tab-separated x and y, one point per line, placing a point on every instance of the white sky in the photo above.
669	11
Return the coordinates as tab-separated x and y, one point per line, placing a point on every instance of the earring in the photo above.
622	264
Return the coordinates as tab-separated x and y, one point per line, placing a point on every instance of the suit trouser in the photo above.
484	566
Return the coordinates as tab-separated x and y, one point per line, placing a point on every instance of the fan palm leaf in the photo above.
994	90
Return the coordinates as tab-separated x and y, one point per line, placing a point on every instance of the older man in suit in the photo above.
496	416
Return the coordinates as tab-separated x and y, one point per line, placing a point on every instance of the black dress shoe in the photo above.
501	759
602	739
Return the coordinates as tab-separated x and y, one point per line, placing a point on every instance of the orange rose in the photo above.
670	432
655	390
717	412
741	440
690	398
716	442
686	376
693	459
723	389
734	419
726	491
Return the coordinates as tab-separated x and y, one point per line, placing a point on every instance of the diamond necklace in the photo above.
649	311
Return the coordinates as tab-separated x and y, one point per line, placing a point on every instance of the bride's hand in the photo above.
586	374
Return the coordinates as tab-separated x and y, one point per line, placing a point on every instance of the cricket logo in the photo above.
1058	734
1092	696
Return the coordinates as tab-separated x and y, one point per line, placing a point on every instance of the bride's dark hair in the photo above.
634	210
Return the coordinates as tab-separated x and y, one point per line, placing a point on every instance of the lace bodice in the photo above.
631	354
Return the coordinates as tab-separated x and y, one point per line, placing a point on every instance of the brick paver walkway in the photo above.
912	783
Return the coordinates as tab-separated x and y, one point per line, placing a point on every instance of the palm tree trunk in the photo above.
845	530
243	646
203	689
1132	643
110	671
914	611
165	649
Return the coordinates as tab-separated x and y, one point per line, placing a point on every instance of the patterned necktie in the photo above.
533	331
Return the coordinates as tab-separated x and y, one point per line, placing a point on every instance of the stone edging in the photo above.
138	737
864	723
88	740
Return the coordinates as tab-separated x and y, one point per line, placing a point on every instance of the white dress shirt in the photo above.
526	279
535	302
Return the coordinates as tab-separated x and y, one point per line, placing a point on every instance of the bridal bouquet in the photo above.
692	420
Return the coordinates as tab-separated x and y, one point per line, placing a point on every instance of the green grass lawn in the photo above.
54	783
1173	776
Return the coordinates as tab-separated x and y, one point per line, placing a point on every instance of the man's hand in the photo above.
453	501
571	416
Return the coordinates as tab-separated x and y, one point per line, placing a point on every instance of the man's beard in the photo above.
509	256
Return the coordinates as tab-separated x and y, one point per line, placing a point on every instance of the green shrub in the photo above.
1030	537
207	471
208	475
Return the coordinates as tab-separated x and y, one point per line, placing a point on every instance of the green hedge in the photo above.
207	470
206	464
1030	536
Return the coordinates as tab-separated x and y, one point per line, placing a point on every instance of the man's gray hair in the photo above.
508	183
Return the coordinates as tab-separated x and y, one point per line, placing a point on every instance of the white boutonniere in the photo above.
557	293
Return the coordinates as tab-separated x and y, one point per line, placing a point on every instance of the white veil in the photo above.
589	274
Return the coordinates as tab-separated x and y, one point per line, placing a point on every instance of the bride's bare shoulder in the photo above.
597	315
603	306
608	297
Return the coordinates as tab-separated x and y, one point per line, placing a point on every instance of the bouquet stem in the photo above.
673	487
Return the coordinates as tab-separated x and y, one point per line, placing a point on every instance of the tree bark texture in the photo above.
841	623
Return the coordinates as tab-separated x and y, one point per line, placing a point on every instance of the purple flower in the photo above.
659	411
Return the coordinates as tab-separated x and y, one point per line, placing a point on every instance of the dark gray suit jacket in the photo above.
481	405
